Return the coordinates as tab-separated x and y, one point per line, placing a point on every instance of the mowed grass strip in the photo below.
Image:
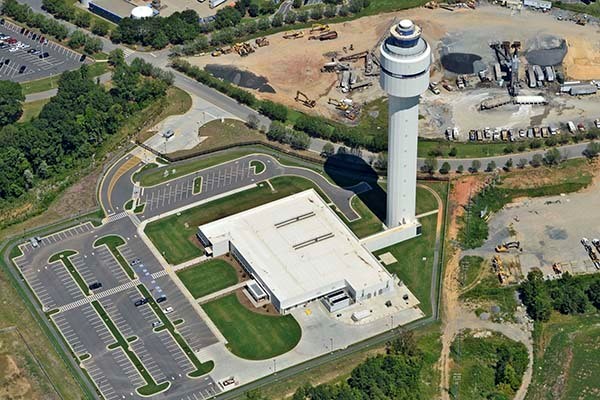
63	257
414	264
173	236
112	242
208	277
252	335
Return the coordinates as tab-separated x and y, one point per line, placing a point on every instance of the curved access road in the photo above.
117	186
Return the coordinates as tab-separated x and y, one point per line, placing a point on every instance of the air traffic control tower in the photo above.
405	62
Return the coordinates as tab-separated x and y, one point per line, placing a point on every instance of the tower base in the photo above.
392	236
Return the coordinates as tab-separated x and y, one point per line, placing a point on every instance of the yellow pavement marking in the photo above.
132	162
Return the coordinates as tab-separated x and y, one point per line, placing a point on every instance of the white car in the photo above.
168	310
13	49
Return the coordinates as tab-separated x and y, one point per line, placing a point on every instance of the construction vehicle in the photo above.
262	42
433	86
338	104
319	28
432	5
355	56
361	85
325	36
294	35
303	98
335	66
557	268
216	53
504	247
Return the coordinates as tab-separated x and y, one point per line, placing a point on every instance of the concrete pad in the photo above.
185	127
387	258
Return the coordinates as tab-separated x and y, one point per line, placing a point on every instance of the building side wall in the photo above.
104	13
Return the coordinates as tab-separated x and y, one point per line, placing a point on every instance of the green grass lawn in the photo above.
566	358
477	362
251	335
32	109
410	266
258	166
173	236
51	82
470	266
208	277
489	292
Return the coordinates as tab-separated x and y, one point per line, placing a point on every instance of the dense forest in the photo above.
567	295
73	125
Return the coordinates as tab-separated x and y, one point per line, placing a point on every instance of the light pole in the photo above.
274	366
331	343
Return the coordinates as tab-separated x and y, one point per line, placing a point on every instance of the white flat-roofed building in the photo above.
297	249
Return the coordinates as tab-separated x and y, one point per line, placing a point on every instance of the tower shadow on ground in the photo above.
352	172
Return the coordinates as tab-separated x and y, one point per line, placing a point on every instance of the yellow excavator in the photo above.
303	98
294	35
319	28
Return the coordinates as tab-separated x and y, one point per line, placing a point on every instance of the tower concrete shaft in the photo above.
405	63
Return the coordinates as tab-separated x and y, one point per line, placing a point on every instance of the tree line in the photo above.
73	125
567	295
66	10
229	26
77	39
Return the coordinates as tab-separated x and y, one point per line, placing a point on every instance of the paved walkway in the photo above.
221	293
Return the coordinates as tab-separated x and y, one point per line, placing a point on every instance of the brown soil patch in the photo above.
583	59
267	309
14	383
559	385
462	190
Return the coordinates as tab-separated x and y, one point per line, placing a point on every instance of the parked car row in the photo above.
512	135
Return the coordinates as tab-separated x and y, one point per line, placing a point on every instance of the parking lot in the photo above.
87	335
21	58
550	230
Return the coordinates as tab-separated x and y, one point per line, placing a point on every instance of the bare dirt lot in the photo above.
20	375
294	64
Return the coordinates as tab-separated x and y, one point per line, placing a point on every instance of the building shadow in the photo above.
353	173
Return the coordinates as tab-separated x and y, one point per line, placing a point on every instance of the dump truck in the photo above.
325	36
294	35
262	42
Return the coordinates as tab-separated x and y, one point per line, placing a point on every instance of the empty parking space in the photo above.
26	55
114	375
84	331
27	248
194	330
52	283
179	192
159	352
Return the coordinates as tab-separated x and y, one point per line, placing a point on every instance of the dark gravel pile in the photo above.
240	78
546	50
462	63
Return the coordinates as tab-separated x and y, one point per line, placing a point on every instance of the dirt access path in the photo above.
457	317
